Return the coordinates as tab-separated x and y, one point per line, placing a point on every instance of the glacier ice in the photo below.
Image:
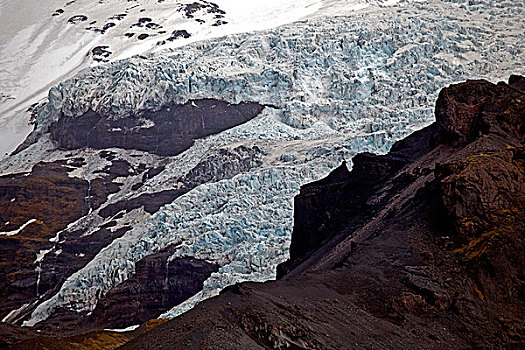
39	46
333	86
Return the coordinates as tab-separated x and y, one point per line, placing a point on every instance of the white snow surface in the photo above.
20	229
340	82
38	50
123	330
13	313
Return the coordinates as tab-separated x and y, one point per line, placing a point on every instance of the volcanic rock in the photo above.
166	132
419	248
40	204
158	285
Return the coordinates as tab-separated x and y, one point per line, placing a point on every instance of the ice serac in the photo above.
166	132
44	44
331	86
429	257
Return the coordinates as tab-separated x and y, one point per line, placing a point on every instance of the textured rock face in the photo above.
332	86
239	159
166	132
35	206
463	111
343	201
484	194
426	250
38	268
472	187
157	285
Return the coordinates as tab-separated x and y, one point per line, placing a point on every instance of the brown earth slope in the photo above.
40	244
420	248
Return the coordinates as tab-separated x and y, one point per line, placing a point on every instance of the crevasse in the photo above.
336	85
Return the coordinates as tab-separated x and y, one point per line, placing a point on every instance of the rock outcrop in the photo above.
333	86
166	132
419	248
43	204
35	206
157	285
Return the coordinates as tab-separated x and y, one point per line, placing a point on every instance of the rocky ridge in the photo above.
227	199
429	256
63	245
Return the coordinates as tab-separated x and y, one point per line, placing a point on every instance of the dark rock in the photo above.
463	114
118	17
157	285
77	18
55	200
141	22
11	334
58	12
176	34
173	129
219	23
189	10
233	162
153	26
151	202
344	201
107	26
100	53
419	248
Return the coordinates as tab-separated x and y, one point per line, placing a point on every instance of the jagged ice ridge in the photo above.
337	85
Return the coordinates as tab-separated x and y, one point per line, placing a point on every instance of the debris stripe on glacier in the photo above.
372	65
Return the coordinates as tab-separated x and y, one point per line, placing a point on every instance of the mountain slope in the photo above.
44	43
199	151
428	256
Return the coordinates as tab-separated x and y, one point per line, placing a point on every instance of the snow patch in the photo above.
41	254
128	329
14	313
17	231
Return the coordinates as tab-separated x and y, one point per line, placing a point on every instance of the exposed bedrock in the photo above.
466	111
35	206
157	285
35	261
39	270
222	165
421	248
343	201
168	131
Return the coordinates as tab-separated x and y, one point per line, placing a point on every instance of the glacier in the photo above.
333	86
40	46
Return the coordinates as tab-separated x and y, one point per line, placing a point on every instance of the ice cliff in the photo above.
333	86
